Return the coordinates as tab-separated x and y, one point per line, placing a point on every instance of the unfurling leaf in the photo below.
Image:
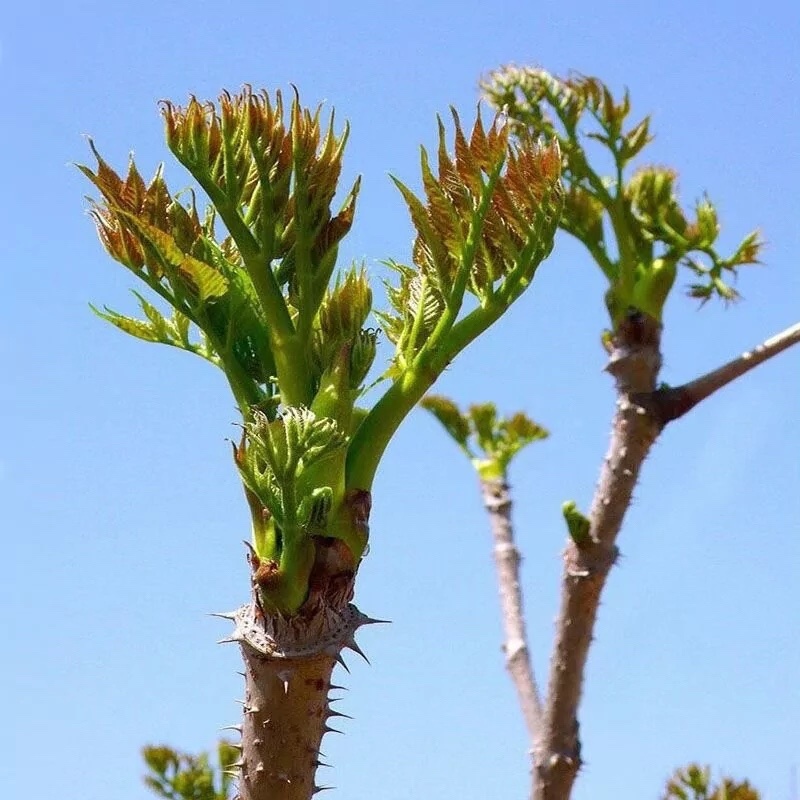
417	304
282	448
174	331
199	278
498	439
454	422
636	140
486	222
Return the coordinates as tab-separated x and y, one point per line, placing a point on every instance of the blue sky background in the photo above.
122	517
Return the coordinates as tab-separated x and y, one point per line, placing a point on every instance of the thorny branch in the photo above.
675	401
634	362
641	415
497	501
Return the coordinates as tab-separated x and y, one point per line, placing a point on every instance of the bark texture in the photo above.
634	362
641	414
285	715
286	708
673	402
507	559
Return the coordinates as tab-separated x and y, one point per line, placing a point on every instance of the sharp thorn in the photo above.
243	674
328	729
334	686
318	789
351	644
229	615
238	764
332	713
283	677
340	660
229	640
319	763
250	549
237	728
365	620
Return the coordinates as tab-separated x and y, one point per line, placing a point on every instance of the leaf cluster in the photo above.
694	783
487	221
489	441
180	776
292	471
276	458
272	183
255	294
261	302
632	224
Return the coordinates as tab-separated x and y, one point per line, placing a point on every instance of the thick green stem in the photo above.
626	264
375	432
291	362
466	331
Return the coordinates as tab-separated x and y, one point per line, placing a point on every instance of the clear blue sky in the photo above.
122	517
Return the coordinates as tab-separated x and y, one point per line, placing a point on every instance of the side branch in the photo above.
634	362
672	403
507	559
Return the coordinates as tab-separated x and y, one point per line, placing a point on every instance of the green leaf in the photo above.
204	279
157	321
208	282
453	421
635	140
135	327
484	419
180	324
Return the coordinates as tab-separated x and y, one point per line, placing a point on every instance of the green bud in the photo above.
636	139
361	356
707	225
345	307
334	398
193	134
583	215
577	524
652	191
